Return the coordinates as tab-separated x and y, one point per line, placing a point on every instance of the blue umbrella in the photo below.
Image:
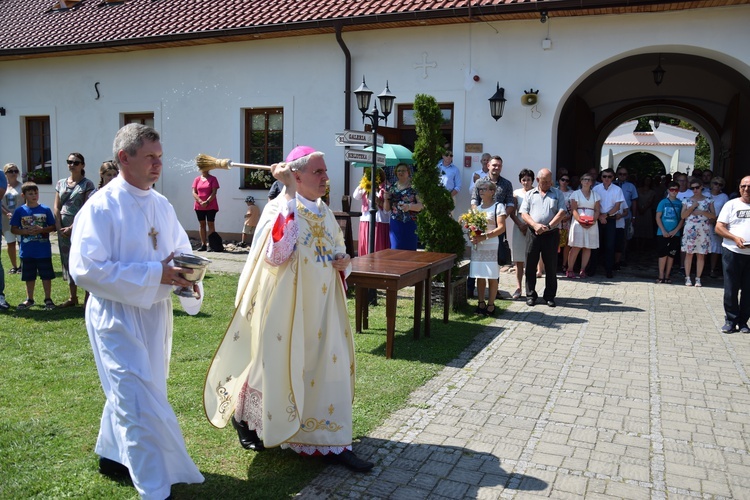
394	154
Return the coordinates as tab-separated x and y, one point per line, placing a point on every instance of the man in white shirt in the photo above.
611	201
733	224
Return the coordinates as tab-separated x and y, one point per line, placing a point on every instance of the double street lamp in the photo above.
386	99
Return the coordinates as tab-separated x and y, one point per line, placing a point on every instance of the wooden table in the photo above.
393	270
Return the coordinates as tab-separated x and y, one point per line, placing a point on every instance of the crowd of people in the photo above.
605	218
27	224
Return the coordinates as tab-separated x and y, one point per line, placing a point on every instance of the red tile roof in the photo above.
31	28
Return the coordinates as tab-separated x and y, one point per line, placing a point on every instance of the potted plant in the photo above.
437	229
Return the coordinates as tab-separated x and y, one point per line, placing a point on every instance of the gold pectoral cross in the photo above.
153	234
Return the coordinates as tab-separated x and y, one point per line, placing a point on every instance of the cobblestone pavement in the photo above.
625	390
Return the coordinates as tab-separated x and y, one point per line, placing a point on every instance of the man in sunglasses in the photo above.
612	203
733	224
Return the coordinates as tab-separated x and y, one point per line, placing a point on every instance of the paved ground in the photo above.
625	390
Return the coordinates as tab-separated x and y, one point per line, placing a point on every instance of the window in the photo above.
407	124
264	145
38	150
142	118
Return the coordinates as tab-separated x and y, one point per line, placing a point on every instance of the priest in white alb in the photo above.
123	242
284	372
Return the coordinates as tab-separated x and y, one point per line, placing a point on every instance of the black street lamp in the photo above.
386	99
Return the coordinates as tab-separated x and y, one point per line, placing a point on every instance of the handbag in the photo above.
585	220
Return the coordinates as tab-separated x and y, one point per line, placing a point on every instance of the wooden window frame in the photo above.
40	155
260	179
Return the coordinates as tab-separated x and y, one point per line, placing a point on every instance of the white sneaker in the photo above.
687	281
3	305
698	282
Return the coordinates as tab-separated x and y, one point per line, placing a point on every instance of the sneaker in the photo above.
728	327
688	282
698	282
744	329
3	305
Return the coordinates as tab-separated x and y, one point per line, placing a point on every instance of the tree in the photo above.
436	228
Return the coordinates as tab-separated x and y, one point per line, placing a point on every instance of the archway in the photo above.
641	165
709	94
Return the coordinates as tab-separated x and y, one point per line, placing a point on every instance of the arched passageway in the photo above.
709	94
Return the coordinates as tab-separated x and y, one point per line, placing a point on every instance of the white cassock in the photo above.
129	321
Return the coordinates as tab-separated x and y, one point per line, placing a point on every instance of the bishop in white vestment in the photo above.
122	244
285	368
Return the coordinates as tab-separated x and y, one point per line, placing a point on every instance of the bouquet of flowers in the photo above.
475	222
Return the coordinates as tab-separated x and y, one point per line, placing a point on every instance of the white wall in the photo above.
197	93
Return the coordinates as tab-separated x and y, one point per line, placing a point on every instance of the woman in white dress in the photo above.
518	243
584	233
484	264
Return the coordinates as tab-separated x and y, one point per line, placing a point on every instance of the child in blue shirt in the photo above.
669	220
33	222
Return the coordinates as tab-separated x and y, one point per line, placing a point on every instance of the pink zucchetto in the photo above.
299	152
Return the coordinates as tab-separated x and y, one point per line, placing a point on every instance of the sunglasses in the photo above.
717	184
608	176
564	179
74	162
696	187
12	172
674	189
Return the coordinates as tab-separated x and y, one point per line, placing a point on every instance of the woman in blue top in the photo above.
403	203
669	220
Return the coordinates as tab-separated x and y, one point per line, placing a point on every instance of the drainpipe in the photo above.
347	97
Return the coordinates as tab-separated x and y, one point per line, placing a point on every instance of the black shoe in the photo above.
610	275
530	301
112	469
617	267
348	459
551	303
202	248
248	439
728	327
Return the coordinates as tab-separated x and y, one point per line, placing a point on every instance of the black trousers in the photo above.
736	287
607	244
545	246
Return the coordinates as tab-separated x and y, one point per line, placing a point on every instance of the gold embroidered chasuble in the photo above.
291	341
